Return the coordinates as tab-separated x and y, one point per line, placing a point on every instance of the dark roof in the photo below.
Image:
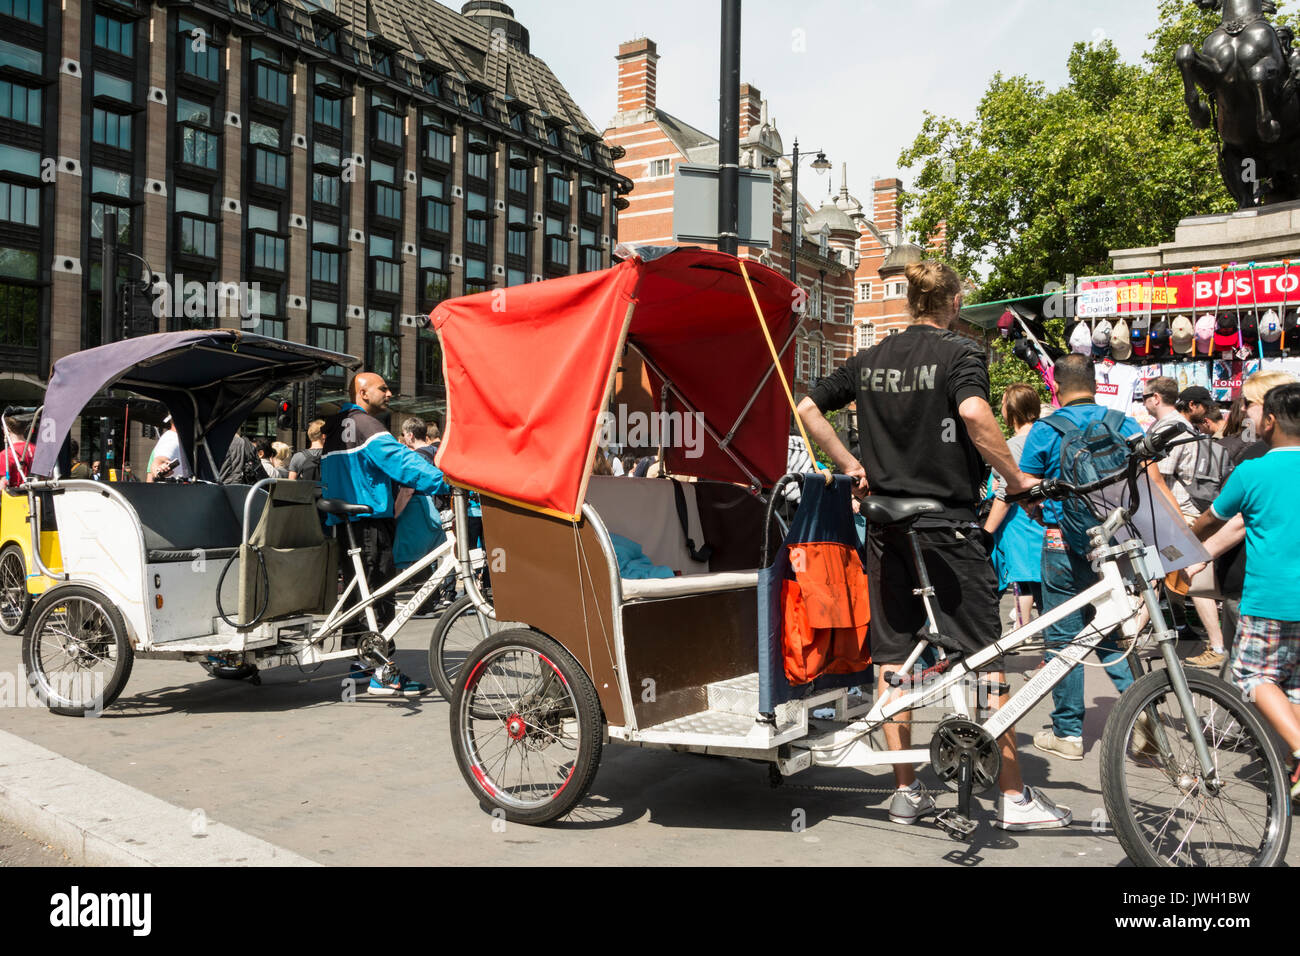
683	135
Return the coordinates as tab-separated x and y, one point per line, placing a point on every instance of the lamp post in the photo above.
821	164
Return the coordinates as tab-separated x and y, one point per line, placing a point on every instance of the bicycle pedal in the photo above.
955	825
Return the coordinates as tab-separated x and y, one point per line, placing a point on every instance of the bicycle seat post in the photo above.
926	590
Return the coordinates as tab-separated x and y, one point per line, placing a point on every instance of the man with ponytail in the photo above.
924	423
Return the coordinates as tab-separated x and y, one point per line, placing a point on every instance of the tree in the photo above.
1042	184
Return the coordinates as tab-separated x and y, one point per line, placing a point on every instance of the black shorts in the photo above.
965	585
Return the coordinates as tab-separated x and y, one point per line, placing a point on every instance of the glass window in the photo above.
557	251
199	58
388	276
517	243
270	85
517	121
431	258
33	11
16	160
436	287
476	202
554	227
268	252
327	111
191	200
188	111
385	356
476	232
388	127
382	61
379	320
552	136
516	277
388	202
435	186
17	263
592	260
199	147
114	86
476	165
268	168
264	51
518	179
476	102
432	84
557	190
381	246
325	155
591	202
475	269
20	204
325	233
325	188
381	172
111	129
21	57
517	214
19	316
110	181
325	266
19	103
111	34
324	313
264	135
263	217
437	145
587	237
198	237
437	215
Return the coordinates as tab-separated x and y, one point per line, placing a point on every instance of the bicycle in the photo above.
1189	775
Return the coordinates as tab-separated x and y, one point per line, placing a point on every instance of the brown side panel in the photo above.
730	518
684	643
541	579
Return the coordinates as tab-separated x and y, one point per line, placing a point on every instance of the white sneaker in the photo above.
1037	813
908	806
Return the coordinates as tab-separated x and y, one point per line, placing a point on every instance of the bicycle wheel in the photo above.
526	727
455	636
15	602
1153	787
76	651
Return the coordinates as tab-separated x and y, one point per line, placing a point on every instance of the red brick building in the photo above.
648	143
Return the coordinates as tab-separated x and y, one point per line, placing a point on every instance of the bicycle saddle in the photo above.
332	506
881	510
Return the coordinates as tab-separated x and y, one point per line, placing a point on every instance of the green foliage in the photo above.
1043	183
818	451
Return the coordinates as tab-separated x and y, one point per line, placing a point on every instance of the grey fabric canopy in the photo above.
209	379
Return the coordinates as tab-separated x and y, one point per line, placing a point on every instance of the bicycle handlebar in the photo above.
1146	447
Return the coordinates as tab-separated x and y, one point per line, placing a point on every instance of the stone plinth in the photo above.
1262	235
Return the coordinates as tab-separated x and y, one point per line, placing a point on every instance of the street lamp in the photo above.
821	164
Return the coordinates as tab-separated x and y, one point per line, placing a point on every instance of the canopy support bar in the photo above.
736	459
759	388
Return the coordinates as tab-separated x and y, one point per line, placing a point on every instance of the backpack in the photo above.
1088	454
1210	471
310	470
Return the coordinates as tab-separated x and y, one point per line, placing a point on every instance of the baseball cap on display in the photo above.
1121	348
1160	336
1140	335
1081	339
1226	334
1249	327
1204	333
1183	336
1270	333
1005	322
1101	339
1291	329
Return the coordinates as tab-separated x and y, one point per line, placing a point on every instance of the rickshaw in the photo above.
237	578
692	662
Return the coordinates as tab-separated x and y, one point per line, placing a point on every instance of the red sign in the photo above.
1203	290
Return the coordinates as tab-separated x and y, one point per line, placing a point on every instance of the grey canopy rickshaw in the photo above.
209	379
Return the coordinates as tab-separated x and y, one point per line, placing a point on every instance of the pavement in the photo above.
188	768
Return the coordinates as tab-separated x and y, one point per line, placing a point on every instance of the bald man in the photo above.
360	464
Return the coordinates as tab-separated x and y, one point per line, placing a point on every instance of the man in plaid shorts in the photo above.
1267	661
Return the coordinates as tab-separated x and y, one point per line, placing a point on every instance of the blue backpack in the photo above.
1088	454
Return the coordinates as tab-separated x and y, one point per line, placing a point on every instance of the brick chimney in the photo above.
886	200
751	109
637	61
939	239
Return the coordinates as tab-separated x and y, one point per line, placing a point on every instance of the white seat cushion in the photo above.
648	589
645	511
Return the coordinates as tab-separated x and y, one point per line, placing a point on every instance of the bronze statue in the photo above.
1250	74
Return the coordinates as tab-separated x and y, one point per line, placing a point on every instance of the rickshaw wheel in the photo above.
15	601
75	652
455	636
526	727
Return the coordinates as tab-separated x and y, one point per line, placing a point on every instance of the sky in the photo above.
850	78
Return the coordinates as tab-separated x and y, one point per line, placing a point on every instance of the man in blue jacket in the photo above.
360	464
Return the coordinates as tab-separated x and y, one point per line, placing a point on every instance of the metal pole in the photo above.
729	131
794	215
108	276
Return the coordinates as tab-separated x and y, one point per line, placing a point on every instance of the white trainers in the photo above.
1037	813
908	806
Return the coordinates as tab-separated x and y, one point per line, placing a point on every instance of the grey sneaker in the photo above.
1070	748
908	806
1038	813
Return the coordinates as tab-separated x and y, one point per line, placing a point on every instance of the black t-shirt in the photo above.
912	441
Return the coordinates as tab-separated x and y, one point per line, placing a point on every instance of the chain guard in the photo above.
956	735
374	649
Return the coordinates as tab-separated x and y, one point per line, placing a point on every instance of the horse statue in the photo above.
1250	74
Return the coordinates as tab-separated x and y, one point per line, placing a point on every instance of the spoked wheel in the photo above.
76	651
15	601
455	636
526	726
1164	811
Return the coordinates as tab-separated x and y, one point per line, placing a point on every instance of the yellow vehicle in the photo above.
19	579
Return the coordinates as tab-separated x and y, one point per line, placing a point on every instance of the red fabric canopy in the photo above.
529	370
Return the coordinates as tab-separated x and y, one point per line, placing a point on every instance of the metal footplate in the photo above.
955	825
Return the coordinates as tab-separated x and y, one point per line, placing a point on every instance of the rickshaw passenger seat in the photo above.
333	506
886	511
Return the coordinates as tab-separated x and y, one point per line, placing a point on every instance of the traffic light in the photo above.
310	392
135	306
284	418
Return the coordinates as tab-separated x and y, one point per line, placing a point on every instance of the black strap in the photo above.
705	551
